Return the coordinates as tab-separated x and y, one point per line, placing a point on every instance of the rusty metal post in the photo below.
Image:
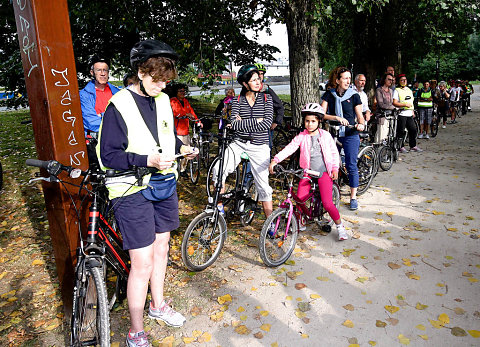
43	29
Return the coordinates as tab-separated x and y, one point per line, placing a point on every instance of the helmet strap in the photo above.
142	89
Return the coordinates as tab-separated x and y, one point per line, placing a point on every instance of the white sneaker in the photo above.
302	227
420	136
444	126
167	314
342	233
427	137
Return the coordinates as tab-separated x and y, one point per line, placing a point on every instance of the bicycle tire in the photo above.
271	248
198	246
194	168
385	158
434	126
250	205
230	182
90	323
365	163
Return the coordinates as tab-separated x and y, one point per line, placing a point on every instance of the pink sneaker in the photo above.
416	149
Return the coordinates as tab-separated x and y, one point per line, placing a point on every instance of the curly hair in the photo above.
160	68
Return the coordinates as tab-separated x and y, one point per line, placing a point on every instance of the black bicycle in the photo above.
388	150
205	236
98	254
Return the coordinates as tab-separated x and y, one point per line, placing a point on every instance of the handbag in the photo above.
160	187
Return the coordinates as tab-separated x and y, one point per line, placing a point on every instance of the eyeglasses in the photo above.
390	79
101	70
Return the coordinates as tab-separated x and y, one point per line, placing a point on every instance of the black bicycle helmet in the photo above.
150	48
244	71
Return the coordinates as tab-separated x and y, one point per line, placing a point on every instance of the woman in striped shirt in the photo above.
251	118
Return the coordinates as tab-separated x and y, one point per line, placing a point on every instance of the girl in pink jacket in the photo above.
318	152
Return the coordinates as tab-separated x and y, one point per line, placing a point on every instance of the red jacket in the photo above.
180	111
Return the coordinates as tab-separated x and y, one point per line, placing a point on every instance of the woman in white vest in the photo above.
403	99
138	130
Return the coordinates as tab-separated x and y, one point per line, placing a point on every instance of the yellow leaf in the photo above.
348	323
380	324
206	337
436	213
266	327
472	280
290	262
188	340
300	314
452	229
315	296
2	275
392	309
459	310
372	343
304	336
196	333
436	324
244	318
242	330
419	306
441	285
275	344
425	337
412	276
264	313
38	262
225	298
390	214
216	317
444	318
289	298
403	340
240	309
361	279
10	293
253	289
324	279
421	327
406	262
474	333
354	345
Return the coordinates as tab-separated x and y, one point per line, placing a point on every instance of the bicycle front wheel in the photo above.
276	243
366	166
203	240
194	167
250	204
385	157
434	126
90	323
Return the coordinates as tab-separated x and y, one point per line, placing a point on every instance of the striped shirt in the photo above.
250	127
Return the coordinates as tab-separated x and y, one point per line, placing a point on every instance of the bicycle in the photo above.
276	246
366	161
200	140
435	122
102	248
205	236
1	176
388	151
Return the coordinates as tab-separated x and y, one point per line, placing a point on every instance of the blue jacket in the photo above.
88	97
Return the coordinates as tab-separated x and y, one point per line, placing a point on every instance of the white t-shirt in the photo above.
455	93
363	99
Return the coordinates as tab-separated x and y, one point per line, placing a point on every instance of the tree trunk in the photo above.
303	55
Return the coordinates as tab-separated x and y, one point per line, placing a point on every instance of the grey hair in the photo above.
357	77
442	83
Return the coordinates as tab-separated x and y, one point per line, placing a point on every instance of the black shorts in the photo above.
140	219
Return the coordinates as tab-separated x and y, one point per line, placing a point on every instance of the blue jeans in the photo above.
350	148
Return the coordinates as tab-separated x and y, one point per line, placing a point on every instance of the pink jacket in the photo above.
304	141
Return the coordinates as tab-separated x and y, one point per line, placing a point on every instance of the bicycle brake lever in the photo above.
46	179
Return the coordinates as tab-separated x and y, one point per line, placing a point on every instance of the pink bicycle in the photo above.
280	230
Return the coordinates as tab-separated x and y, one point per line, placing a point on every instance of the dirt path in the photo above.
411	277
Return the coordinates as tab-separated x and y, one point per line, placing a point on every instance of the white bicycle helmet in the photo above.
313	108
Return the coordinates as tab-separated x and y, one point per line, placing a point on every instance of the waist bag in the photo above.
160	187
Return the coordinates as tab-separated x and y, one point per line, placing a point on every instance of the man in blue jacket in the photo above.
95	96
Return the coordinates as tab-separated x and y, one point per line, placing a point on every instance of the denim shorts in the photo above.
139	219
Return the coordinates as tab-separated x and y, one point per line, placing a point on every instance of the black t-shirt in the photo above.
348	107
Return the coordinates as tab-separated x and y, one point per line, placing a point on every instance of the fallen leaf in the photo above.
38	262
264	313
419	306
391	309
324	279
372	343
266	327
299	286
218	316
457	331
459	310
242	330
361	279
412	276
315	296
349	307
436	324
421	327
403	340
425	337
304	336
258	335
205	337
394	266
380	324
474	333
392	321
188	340
444	318
225	298
348	323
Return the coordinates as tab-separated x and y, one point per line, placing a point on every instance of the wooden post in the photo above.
43	29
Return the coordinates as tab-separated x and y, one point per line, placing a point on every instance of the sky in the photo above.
278	39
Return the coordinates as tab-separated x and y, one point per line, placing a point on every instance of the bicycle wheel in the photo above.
249	205
90	323
194	168
434	125
201	245
205	153
230	182
385	158
279	141
276	249
365	163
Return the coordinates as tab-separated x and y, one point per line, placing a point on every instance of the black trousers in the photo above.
409	123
